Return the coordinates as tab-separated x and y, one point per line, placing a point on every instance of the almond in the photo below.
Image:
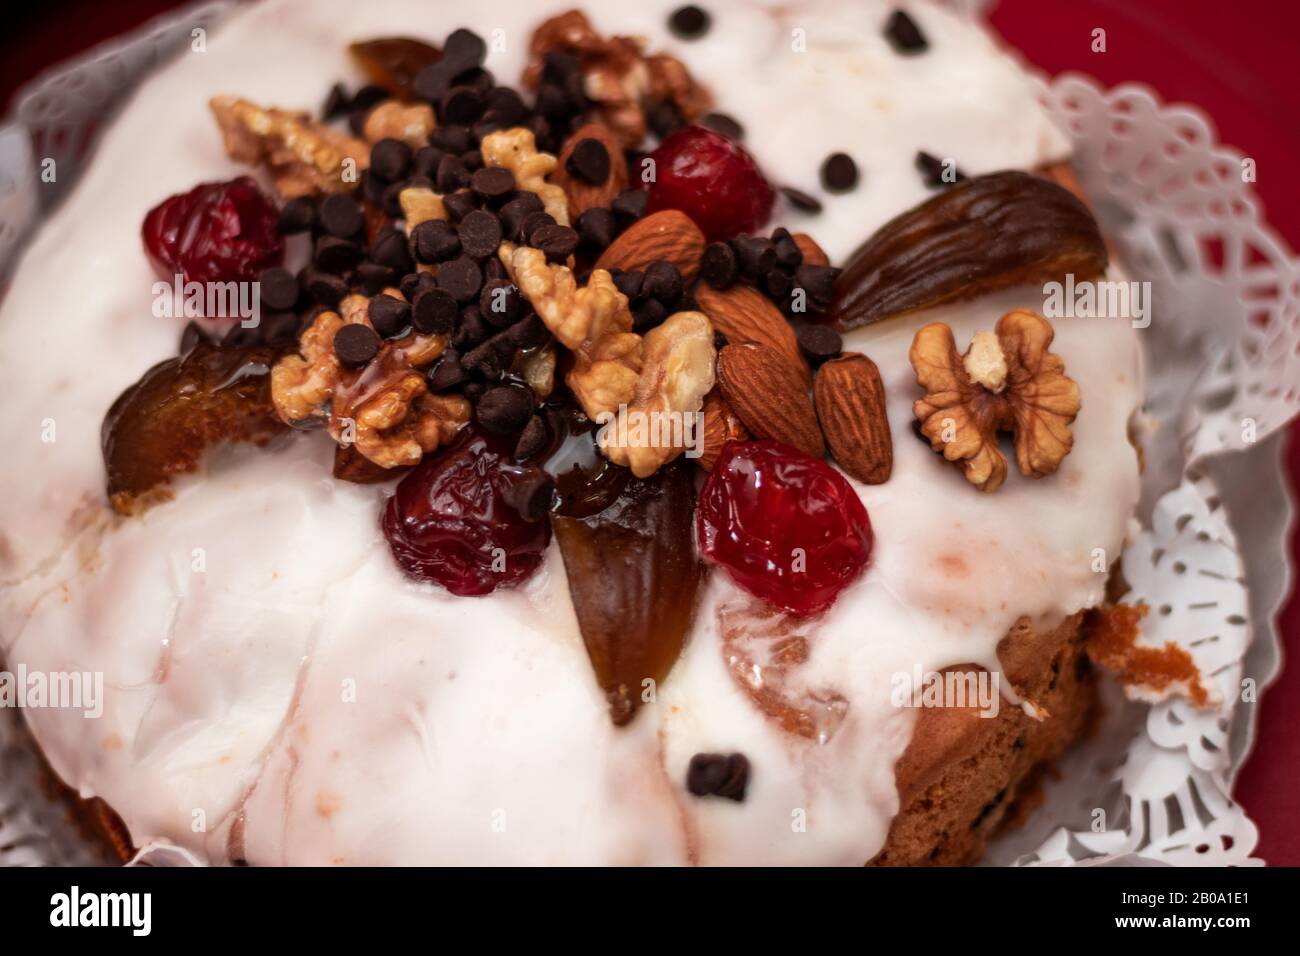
768	396
850	400
720	426
743	314
583	195
812	253
669	235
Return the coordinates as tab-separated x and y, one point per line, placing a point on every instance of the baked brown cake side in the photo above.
962	772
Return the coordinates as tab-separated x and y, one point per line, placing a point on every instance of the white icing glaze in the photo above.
317	707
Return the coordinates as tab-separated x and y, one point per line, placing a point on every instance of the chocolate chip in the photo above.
434	311
689	22
534	221
558	242
451	175
280	328
391	202
415	283
530	494
480	234
904	35
754	256
447	373
724	125
718	265
532	440
839	173
434	240
629	206
460	204
452	139
390	159
370	96
324	288
341	216
505	408
501	304
818	342
933	169
516	211
818	282
801	200
663	281
192	335
471	329
463	49
718	775
589	162
664	118
355	345
425	161
277	289
298	215
778	283
390	316
374	278
461	277
336	255
629	283
493	269
552	101
493	182
473	159
647	314
241	336
462	106
788	255
357	121
390	249
506	105
337	103
595	229
528	333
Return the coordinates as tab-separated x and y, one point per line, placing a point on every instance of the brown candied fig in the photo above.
634	576
986	233
393	62
162	424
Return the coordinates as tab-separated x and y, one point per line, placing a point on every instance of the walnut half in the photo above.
386	409
1007	381
304	157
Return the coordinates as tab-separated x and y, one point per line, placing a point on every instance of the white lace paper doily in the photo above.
1223	350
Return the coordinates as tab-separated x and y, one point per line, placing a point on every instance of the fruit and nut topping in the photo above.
537	309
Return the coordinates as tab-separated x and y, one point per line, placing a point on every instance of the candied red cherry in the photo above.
216	232
453	518
712	180
788	526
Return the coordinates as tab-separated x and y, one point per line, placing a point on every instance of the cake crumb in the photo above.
1112	642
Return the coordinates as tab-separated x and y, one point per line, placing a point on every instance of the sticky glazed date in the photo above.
987	233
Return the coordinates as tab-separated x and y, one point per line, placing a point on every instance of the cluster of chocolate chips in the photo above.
775	267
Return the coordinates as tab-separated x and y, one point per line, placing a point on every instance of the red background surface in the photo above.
1236	60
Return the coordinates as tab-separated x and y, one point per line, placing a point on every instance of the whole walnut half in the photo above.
1007	381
